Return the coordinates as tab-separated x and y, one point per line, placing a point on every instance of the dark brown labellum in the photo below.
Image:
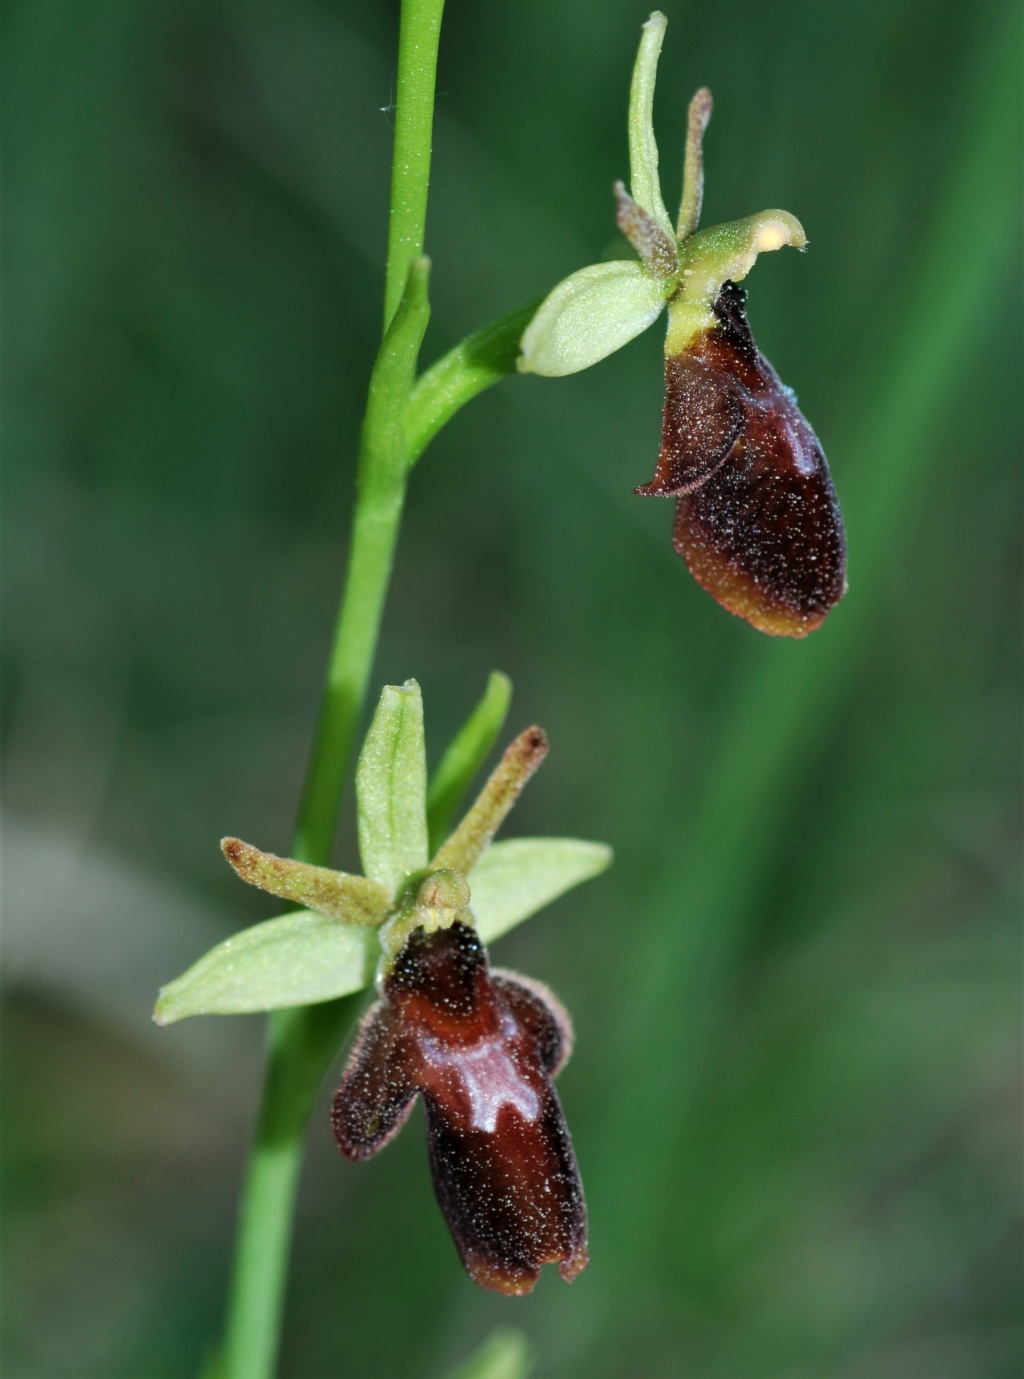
757	518
481	1049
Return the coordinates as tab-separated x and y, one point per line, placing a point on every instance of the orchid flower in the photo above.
757	519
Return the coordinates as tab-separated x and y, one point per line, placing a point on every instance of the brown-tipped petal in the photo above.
693	168
502	1160
490	809
352	899
650	241
701	419
376	1092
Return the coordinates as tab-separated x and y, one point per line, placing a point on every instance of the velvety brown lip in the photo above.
766	544
481	1049
699	423
757	518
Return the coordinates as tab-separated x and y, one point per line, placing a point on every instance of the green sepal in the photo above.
295	959
644	181
303	958
391	789
589	316
515	879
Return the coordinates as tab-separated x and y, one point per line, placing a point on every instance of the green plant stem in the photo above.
477	362
414	120
402	416
300	1046
380	499
400	422
302	1043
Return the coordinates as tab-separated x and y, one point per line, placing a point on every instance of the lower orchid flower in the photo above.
757	518
480	1046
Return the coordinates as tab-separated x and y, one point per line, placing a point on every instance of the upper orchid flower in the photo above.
757	518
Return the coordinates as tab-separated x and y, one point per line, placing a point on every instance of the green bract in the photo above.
599	309
351	925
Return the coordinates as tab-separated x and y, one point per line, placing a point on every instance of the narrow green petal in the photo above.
514	880
465	755
589	316
295	959
391	788
463	848
352	899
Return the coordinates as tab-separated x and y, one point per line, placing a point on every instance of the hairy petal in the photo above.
657	250
538	1011
376	1093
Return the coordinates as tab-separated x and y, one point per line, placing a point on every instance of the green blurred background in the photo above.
795	1096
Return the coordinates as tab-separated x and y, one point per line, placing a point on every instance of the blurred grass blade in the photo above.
514	880
295	959
505	1355
391	788
465	755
